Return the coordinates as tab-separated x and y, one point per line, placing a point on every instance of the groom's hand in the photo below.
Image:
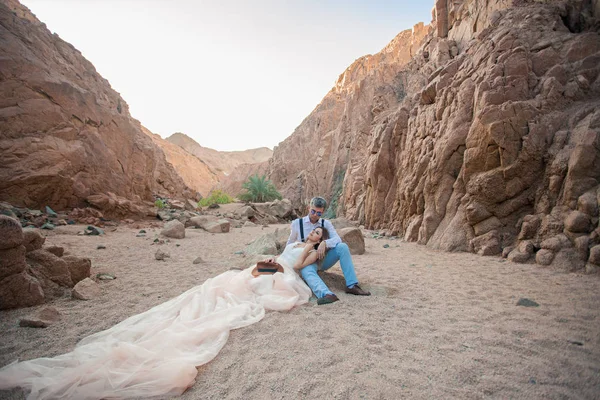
321	250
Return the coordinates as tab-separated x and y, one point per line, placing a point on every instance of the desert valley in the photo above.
461	165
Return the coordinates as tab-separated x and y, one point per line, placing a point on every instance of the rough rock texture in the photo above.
79	268
211	223
65	134
333	139
87	289
42	319
353	237
195	172
174	229
221	162
232	183
17	287
489	136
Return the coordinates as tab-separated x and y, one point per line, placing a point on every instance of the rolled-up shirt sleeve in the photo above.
334	238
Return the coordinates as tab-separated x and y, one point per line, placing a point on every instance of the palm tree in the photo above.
259	190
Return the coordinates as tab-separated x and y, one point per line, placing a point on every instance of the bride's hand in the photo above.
321	250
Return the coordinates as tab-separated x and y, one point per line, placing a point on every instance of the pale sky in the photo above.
232	74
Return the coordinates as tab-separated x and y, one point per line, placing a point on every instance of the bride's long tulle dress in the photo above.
156	353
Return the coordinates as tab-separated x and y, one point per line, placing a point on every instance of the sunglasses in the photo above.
319	213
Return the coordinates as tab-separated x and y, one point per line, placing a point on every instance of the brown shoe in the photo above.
357	291
327	299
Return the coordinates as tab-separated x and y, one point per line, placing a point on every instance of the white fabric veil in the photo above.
157	352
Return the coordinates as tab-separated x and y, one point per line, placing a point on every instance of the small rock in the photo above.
385	246
142	231
56	250
51	212
103	276
61	222
48	226
174	229
239	252
100	247
527	303
161	255
140	235
198	260
87	289
44	318
93	231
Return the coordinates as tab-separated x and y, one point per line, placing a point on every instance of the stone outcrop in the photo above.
221	162
483	137
30	274
196	173
17	287
66	137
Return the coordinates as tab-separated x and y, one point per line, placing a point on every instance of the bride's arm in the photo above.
308	256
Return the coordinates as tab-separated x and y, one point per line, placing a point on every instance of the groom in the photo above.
337	251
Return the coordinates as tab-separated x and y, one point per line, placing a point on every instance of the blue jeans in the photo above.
339	253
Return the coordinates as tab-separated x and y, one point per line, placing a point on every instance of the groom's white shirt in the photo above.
334	238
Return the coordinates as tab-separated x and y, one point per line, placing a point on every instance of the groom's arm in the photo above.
334	238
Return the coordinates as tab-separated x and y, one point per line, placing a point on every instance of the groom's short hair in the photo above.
318	202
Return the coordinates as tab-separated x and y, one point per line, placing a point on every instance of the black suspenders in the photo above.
301	223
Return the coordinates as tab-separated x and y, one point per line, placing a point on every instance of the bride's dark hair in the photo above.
324	236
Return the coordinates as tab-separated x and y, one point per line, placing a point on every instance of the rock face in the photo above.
196	173
65	134
478	134
17	287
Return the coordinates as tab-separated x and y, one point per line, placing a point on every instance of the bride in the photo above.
156	353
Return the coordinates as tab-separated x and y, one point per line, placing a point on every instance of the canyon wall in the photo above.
487	139
196	173
66	137
223	163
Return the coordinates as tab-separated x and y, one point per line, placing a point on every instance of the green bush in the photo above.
216	197
259	190
160	203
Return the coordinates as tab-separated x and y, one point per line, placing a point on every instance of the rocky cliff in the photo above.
487	139
66	137
221	162
196	174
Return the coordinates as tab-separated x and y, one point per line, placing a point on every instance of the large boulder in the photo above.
341	223
51	271
11	233
12	261
33	239
20	290
278	209
265	244
353	237
211	223
79	268
270	243
174	229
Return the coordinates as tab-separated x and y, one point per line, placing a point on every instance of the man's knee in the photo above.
342	248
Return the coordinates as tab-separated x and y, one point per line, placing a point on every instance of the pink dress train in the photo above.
156	353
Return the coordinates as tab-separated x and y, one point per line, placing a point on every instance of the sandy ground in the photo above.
438	325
